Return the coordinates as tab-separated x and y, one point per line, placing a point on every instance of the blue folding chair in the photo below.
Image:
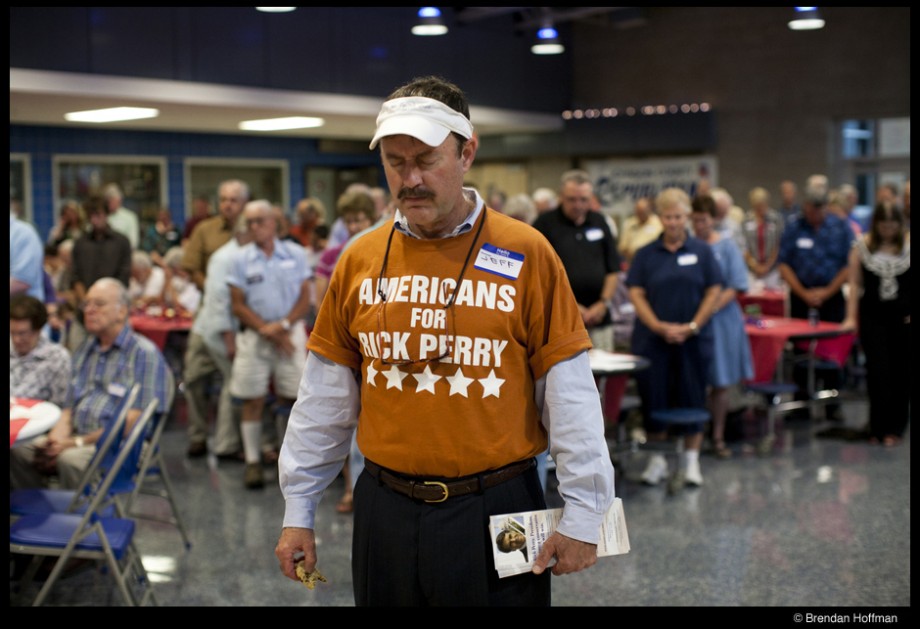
43	500
147	467
88	535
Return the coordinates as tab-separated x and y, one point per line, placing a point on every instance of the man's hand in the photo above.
278	336
293	543
816	296
571	555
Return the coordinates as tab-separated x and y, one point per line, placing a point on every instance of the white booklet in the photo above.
518	537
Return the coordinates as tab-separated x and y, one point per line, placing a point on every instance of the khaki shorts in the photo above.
257	363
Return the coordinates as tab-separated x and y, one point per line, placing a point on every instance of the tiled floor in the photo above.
819	523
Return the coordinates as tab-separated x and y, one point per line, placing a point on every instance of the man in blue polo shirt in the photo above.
813	262
270	295
588	251
106	365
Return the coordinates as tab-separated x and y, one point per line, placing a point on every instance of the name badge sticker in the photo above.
499	261
804	243
118	390
288	264
687	259
594	234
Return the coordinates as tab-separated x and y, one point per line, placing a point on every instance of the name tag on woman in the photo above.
804	243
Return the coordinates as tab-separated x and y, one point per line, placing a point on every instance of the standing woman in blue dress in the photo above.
673	283
731	360
879	303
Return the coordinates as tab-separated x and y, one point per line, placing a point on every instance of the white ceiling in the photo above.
39	97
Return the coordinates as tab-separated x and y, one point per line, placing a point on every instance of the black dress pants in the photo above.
408	552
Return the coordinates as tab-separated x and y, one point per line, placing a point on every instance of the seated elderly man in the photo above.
39	369
105	367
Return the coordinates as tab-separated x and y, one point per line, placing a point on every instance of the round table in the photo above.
31	418
158	328
615	370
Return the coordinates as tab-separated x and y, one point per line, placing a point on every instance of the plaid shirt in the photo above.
102	378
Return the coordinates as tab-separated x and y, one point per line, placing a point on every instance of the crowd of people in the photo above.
683	297
236	345
450	307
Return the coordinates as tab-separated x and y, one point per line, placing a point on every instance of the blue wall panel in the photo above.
43	143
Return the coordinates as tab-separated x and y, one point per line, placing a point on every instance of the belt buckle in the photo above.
443	488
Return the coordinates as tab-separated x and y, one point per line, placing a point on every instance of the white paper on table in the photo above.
606	361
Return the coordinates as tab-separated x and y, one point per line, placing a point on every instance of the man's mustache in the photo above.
415	193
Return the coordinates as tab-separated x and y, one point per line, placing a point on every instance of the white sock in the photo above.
690	457
252	439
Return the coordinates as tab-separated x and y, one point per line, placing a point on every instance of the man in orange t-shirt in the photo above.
451	339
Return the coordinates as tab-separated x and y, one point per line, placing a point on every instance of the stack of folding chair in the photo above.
90	531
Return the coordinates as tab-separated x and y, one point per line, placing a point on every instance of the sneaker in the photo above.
692	475
252	478
197	449
656	469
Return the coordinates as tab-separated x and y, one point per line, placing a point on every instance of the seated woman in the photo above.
147	281
39	368
181	294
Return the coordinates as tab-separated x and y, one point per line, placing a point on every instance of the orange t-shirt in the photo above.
514	316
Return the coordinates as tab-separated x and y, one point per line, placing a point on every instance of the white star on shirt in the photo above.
371	374
491	385
394	377
426	380
459	383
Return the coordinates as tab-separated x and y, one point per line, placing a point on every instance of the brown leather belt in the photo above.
441	490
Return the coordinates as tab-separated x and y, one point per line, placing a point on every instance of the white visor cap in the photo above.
425	119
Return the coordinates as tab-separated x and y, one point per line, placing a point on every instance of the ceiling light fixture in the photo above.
429	22
548	42
112	114
275	9
281	124
806	19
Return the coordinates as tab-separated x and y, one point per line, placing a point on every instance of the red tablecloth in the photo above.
30	418
769	338
157	329
772	302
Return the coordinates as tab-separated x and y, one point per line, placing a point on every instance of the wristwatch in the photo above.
286	325
694	328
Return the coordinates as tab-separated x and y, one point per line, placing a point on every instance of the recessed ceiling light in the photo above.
430	22
112	114
548	42
279	124
275	9
806	19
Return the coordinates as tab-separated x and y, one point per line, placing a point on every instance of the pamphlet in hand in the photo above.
518	537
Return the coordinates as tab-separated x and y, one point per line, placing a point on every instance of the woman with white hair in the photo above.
181	293
147	281
674	283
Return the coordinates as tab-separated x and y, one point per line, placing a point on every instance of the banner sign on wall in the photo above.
618	182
